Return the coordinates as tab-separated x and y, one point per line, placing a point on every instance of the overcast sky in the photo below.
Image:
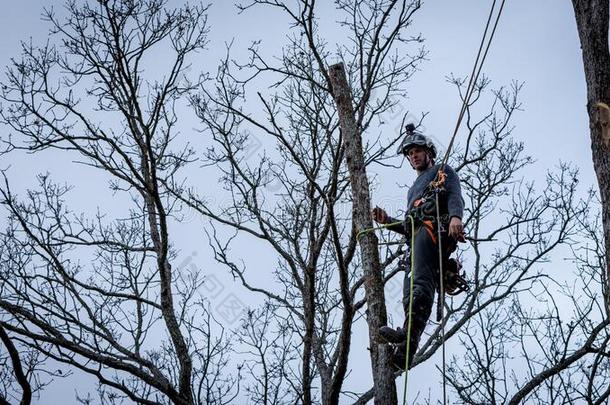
536	43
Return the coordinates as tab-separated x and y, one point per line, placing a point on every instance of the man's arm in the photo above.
381	217
455	204
398	226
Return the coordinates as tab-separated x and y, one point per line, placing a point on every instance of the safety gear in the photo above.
424	209
414	138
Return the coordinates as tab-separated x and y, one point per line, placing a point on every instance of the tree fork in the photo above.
383	378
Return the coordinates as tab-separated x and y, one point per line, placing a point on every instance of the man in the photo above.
421	199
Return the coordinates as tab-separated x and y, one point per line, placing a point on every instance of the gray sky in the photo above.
536	43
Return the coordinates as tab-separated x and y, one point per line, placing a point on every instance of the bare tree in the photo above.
489	163
556	332
592	22
270	348
361	219
96	294
305	221
101	296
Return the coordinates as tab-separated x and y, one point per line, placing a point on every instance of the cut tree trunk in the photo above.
592	22
383	378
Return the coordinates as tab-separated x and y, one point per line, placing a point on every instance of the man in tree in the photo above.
421	153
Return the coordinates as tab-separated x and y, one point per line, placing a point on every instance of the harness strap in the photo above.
429	225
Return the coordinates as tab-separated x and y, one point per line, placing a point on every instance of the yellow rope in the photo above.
410	310
375	228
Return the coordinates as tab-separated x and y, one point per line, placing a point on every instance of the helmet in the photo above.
414	138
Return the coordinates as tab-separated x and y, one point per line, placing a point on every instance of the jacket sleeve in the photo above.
455	202
400	228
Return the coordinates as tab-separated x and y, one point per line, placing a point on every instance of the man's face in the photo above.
418	156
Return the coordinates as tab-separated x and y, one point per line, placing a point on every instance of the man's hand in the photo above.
456	229
379	215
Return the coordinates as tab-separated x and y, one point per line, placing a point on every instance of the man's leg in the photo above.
424	285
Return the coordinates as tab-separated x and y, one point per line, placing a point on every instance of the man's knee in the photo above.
422	302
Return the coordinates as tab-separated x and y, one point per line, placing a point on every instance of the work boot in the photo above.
391	335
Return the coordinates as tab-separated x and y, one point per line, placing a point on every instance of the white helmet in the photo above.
414	138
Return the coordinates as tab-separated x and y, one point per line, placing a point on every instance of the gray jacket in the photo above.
453	204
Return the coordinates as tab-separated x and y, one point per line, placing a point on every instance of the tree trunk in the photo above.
383	379
309	313
592	22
